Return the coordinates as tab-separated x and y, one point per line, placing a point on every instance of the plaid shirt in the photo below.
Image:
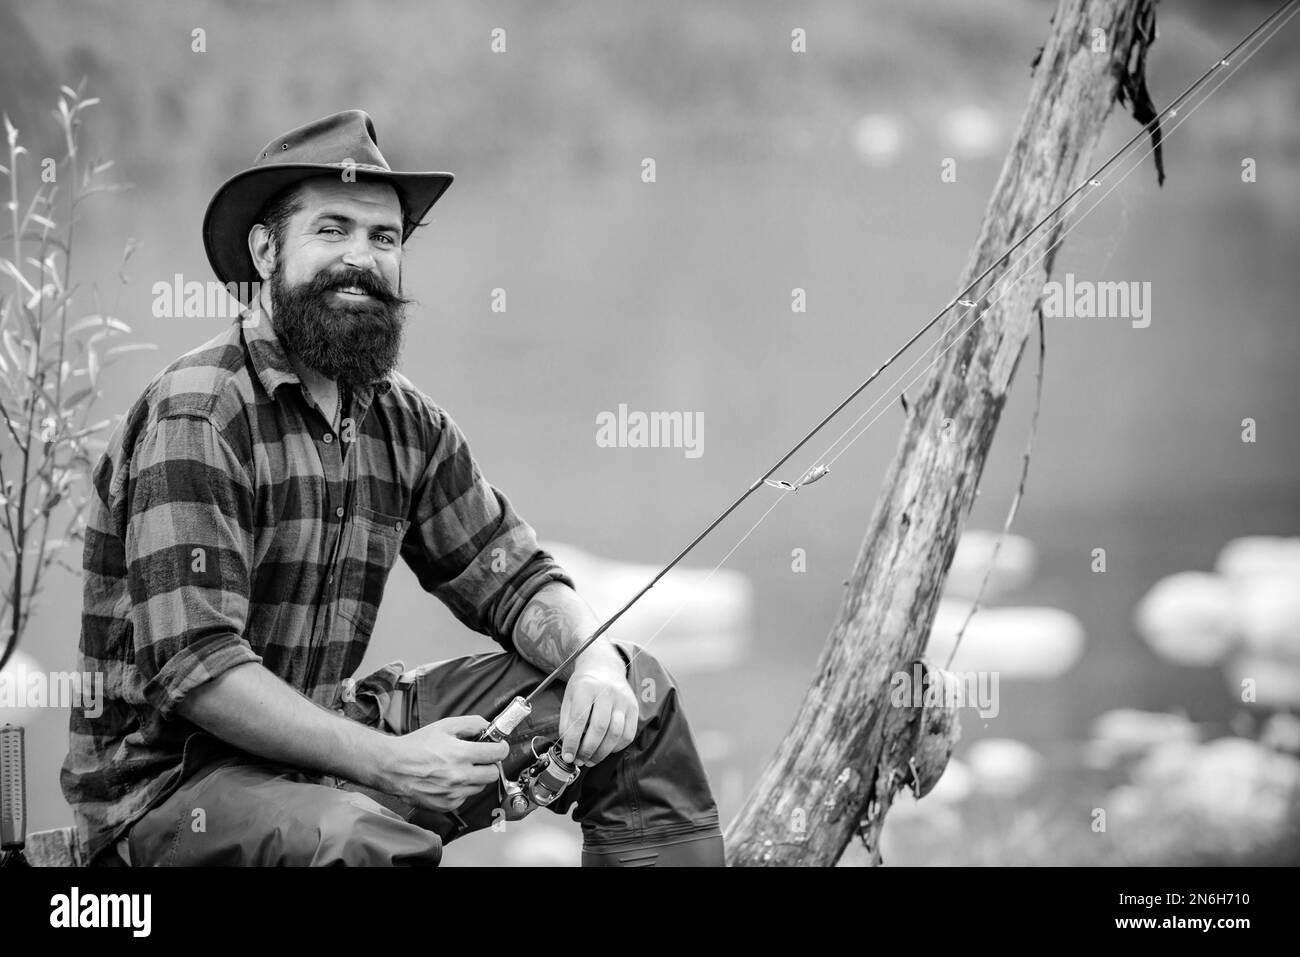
229	525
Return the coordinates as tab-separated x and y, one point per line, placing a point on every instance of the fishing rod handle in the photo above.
504	724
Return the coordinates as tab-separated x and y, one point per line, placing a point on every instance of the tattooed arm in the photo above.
600	713
554	623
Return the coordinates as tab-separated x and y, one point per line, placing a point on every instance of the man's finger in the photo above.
632	719
481	774
461	796
596	728
565	712
468	726
613	738
483	752
573	728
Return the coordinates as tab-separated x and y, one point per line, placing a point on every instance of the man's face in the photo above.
336	284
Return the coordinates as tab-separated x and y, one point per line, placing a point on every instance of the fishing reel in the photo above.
539	785
542	782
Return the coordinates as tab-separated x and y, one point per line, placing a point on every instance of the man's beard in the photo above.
357	342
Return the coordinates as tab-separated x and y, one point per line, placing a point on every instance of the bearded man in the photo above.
243	522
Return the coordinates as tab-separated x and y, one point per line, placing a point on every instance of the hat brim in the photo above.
234	208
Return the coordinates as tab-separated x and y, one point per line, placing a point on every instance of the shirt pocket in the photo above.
374	544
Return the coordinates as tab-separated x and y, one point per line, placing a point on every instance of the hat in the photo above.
330	145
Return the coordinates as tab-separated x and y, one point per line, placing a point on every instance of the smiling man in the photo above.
244	521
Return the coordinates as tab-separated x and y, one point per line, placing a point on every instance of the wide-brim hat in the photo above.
342	142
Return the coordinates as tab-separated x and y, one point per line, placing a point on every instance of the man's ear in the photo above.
261	246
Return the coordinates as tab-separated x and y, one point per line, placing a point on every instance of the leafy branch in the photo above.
51	366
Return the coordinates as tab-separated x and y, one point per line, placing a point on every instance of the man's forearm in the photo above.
252	709
554	623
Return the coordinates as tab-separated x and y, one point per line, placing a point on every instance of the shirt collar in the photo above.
271	361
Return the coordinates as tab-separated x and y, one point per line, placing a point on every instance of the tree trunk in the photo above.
849	751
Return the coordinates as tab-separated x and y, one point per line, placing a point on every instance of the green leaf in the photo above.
116	351
54	498
58	301
11	346
14	271
48	289
106	188
100	322
71	401
91	429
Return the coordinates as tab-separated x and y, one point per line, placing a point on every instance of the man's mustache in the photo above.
372	285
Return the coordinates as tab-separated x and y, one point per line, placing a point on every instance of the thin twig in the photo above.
1020	489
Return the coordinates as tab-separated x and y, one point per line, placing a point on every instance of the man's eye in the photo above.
326	229
385	237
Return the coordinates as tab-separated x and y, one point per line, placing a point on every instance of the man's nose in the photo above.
359	254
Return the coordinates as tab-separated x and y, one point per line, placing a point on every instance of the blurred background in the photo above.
774	171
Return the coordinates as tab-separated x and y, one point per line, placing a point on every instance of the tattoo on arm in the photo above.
540	635
553	624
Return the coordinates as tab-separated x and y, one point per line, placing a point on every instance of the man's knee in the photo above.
656	787
256	814
355	831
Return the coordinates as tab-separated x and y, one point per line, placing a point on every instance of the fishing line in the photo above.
1020	489
1092	180
1140	161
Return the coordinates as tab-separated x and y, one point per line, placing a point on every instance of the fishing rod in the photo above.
543	782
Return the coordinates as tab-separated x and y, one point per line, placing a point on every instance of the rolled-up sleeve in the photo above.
468	546
189	554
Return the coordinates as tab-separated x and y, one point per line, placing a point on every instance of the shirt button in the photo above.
398	526
329	437
339	511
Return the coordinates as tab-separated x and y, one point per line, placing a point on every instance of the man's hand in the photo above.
600	712
441	766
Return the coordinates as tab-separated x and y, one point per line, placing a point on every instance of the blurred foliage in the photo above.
51	364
